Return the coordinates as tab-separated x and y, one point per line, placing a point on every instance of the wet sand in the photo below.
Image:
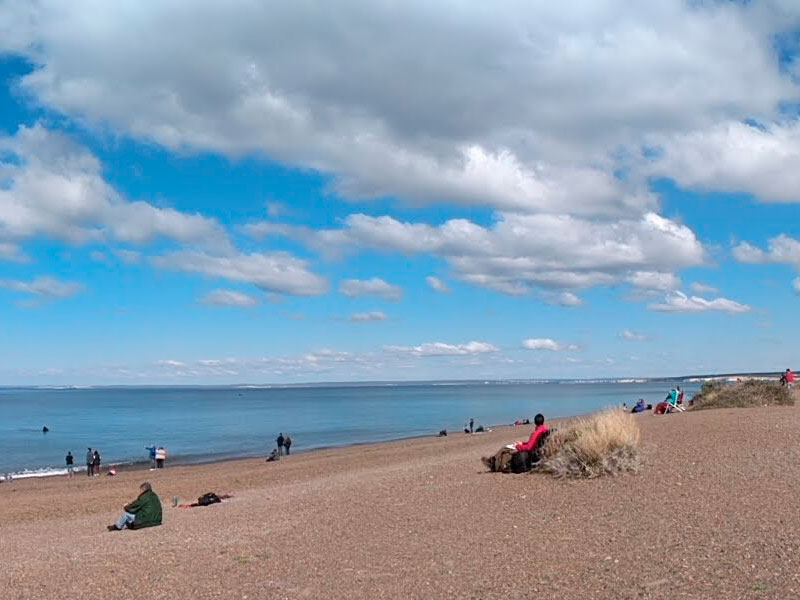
712	514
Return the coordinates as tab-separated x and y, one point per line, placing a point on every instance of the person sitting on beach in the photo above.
501	462
274	455
143	512
639	407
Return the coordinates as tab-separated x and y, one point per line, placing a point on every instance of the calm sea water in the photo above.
198	424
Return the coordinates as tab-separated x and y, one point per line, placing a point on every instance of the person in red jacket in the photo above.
788	377
501	462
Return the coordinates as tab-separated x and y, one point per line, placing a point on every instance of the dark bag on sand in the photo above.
520	462
209	498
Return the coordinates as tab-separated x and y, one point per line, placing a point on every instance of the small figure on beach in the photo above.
89	462
471	425
151	449
143	512
641	406
520	456
287	443
280	441
443	433
45	429
70	460
161	456
788	378
273	456
96	463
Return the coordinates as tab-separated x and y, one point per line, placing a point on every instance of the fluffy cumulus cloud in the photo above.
366	317
275	272
222	297
376	286
523	252
737	157
547	344
621	92
782	249
54	187
443	349
678	302
291	80
44	287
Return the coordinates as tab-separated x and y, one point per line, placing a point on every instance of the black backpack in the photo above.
209	498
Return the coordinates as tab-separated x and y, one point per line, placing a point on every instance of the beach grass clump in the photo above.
742	394
604	444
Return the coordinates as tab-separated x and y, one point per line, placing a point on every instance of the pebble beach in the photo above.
711	514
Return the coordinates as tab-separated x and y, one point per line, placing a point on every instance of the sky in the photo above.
283	192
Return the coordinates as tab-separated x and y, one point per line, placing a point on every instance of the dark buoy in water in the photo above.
45	429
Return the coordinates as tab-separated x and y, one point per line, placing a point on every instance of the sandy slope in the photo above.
711	515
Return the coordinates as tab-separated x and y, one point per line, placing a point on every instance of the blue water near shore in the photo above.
199	424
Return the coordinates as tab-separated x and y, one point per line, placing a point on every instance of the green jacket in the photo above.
147	508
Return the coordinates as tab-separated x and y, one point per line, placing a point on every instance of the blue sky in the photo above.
279	192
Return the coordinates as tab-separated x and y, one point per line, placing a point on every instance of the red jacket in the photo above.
531	444
791	377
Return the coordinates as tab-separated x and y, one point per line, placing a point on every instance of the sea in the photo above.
208	424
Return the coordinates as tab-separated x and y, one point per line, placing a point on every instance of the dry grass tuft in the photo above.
743	394
603	444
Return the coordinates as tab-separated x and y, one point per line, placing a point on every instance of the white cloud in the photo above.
523	252
703	288
442	349
370	287
547	344
437	284
290	82
652	280
46	287
782	249
678	302
55	188
222	297
375	315
277	272
737	157
633	336
566	299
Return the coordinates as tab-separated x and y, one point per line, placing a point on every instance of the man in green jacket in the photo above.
143	512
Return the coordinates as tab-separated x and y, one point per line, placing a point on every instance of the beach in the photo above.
711	514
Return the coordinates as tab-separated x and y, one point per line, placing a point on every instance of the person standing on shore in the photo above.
96	463
89	462
287	443
472	425
161	456
280	441
70	460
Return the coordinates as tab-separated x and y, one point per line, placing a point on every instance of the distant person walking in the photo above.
280	441
471	425
96	463
161	456
287	444
89	462
70	460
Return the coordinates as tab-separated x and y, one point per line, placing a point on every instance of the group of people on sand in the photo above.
283	443
93	460
158	456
